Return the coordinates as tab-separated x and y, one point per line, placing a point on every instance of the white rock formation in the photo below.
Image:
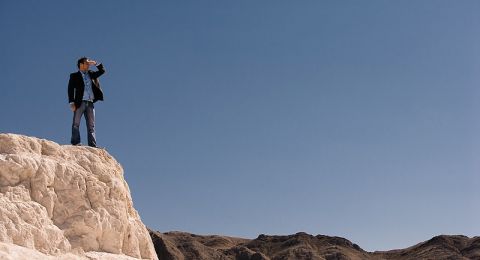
64	200
13	252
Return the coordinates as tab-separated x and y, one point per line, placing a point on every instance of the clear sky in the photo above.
358	119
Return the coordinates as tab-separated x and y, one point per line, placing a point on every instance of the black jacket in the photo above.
76	86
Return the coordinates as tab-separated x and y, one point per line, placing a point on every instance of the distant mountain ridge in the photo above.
302	246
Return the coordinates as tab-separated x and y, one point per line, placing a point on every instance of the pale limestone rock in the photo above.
14	252
57	199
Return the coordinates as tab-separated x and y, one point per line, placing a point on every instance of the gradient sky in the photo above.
358	119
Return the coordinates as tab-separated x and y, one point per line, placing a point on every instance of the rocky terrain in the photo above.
67	202
70	202
302	246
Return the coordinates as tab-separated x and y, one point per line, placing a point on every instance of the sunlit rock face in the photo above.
61	199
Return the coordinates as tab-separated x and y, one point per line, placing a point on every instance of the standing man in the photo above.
84	90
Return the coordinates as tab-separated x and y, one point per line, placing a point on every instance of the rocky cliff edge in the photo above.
63	201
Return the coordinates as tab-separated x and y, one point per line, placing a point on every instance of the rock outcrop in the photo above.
70	201
302	246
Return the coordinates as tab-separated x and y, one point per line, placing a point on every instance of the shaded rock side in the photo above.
57	199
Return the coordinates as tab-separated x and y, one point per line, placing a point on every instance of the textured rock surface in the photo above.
60	199
14	252
302	246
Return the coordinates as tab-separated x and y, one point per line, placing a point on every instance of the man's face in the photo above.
84	65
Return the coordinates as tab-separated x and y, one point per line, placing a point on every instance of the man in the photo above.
84	90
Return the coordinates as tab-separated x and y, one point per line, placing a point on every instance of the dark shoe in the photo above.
79	144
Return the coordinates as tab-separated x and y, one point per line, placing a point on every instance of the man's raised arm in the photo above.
100	70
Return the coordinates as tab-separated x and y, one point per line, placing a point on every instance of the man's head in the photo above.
82	64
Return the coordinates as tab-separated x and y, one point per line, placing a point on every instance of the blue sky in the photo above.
357	119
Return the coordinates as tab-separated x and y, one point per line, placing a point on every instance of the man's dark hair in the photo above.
81	60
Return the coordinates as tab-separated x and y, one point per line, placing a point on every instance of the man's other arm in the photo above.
71	94
71	90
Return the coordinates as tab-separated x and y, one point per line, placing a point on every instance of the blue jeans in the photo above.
88	110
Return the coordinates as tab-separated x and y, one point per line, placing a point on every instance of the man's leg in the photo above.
90	119
77	115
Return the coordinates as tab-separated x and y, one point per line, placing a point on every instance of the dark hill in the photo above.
181	245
